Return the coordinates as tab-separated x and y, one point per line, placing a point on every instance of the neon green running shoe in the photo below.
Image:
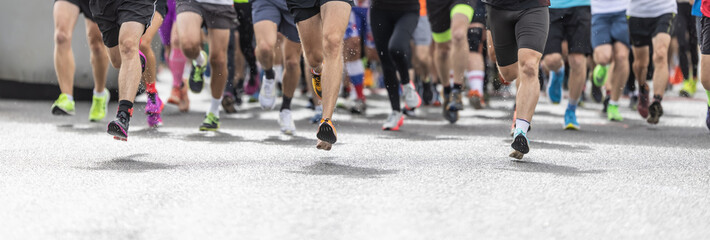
211	123
99	106
196	81
63	106
612	113
599	76
689	88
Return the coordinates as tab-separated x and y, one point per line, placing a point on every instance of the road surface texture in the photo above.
65	178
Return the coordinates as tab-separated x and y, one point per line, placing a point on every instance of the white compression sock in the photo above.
278	73
522	124
475	80
214	106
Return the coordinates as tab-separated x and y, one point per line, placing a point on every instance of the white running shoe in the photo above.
267	95
393	122
411	96
286	122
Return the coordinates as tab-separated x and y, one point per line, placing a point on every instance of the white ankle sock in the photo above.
214	106
522	125
200	60
99	94
475	80
70	97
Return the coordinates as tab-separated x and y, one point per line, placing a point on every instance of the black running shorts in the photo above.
572	24
111	14
83	7
516	29
305	9
161	6
439	12
642	30
214	16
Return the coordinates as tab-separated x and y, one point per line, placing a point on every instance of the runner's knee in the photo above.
62	37
332	44
128	46
529	68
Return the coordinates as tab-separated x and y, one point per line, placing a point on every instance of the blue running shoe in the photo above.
554	90
571	120
520	144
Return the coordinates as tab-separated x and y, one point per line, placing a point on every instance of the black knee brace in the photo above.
475	37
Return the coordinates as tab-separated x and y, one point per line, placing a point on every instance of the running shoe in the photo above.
605	103
427	94
184	105
612	113
99	106
316	82
655	111
238	96
633	102
288	127
197	74
267	94
211	123
358	106
119	127
520	145
393	122
689	88
707	119
153	108
228	103
63	106
318	114
571	120
554	90
600	75
252	87
642	106
411	96
175	96
597	93
476	99
326	135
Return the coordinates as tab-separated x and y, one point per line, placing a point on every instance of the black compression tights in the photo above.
393	31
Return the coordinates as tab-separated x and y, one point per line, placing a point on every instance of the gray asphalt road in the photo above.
65	178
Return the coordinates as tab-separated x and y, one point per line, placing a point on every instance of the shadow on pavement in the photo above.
556	146
412	135
215	137
325	167
129	164
89	128
538	167
289	141
149	132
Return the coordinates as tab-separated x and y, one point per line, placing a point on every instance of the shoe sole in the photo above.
520	147
318	93
205	129
476	102
228	105
654	115
117	132
325	133
59	112
684	94
451	116
570	126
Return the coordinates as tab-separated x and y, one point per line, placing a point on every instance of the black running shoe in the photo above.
228	103
597	93
520	144
655	111
119	127
197	75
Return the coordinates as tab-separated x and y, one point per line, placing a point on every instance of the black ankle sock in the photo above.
657	98
269	73
447	91
458	86
286	104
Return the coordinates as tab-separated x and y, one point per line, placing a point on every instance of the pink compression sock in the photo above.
177	66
